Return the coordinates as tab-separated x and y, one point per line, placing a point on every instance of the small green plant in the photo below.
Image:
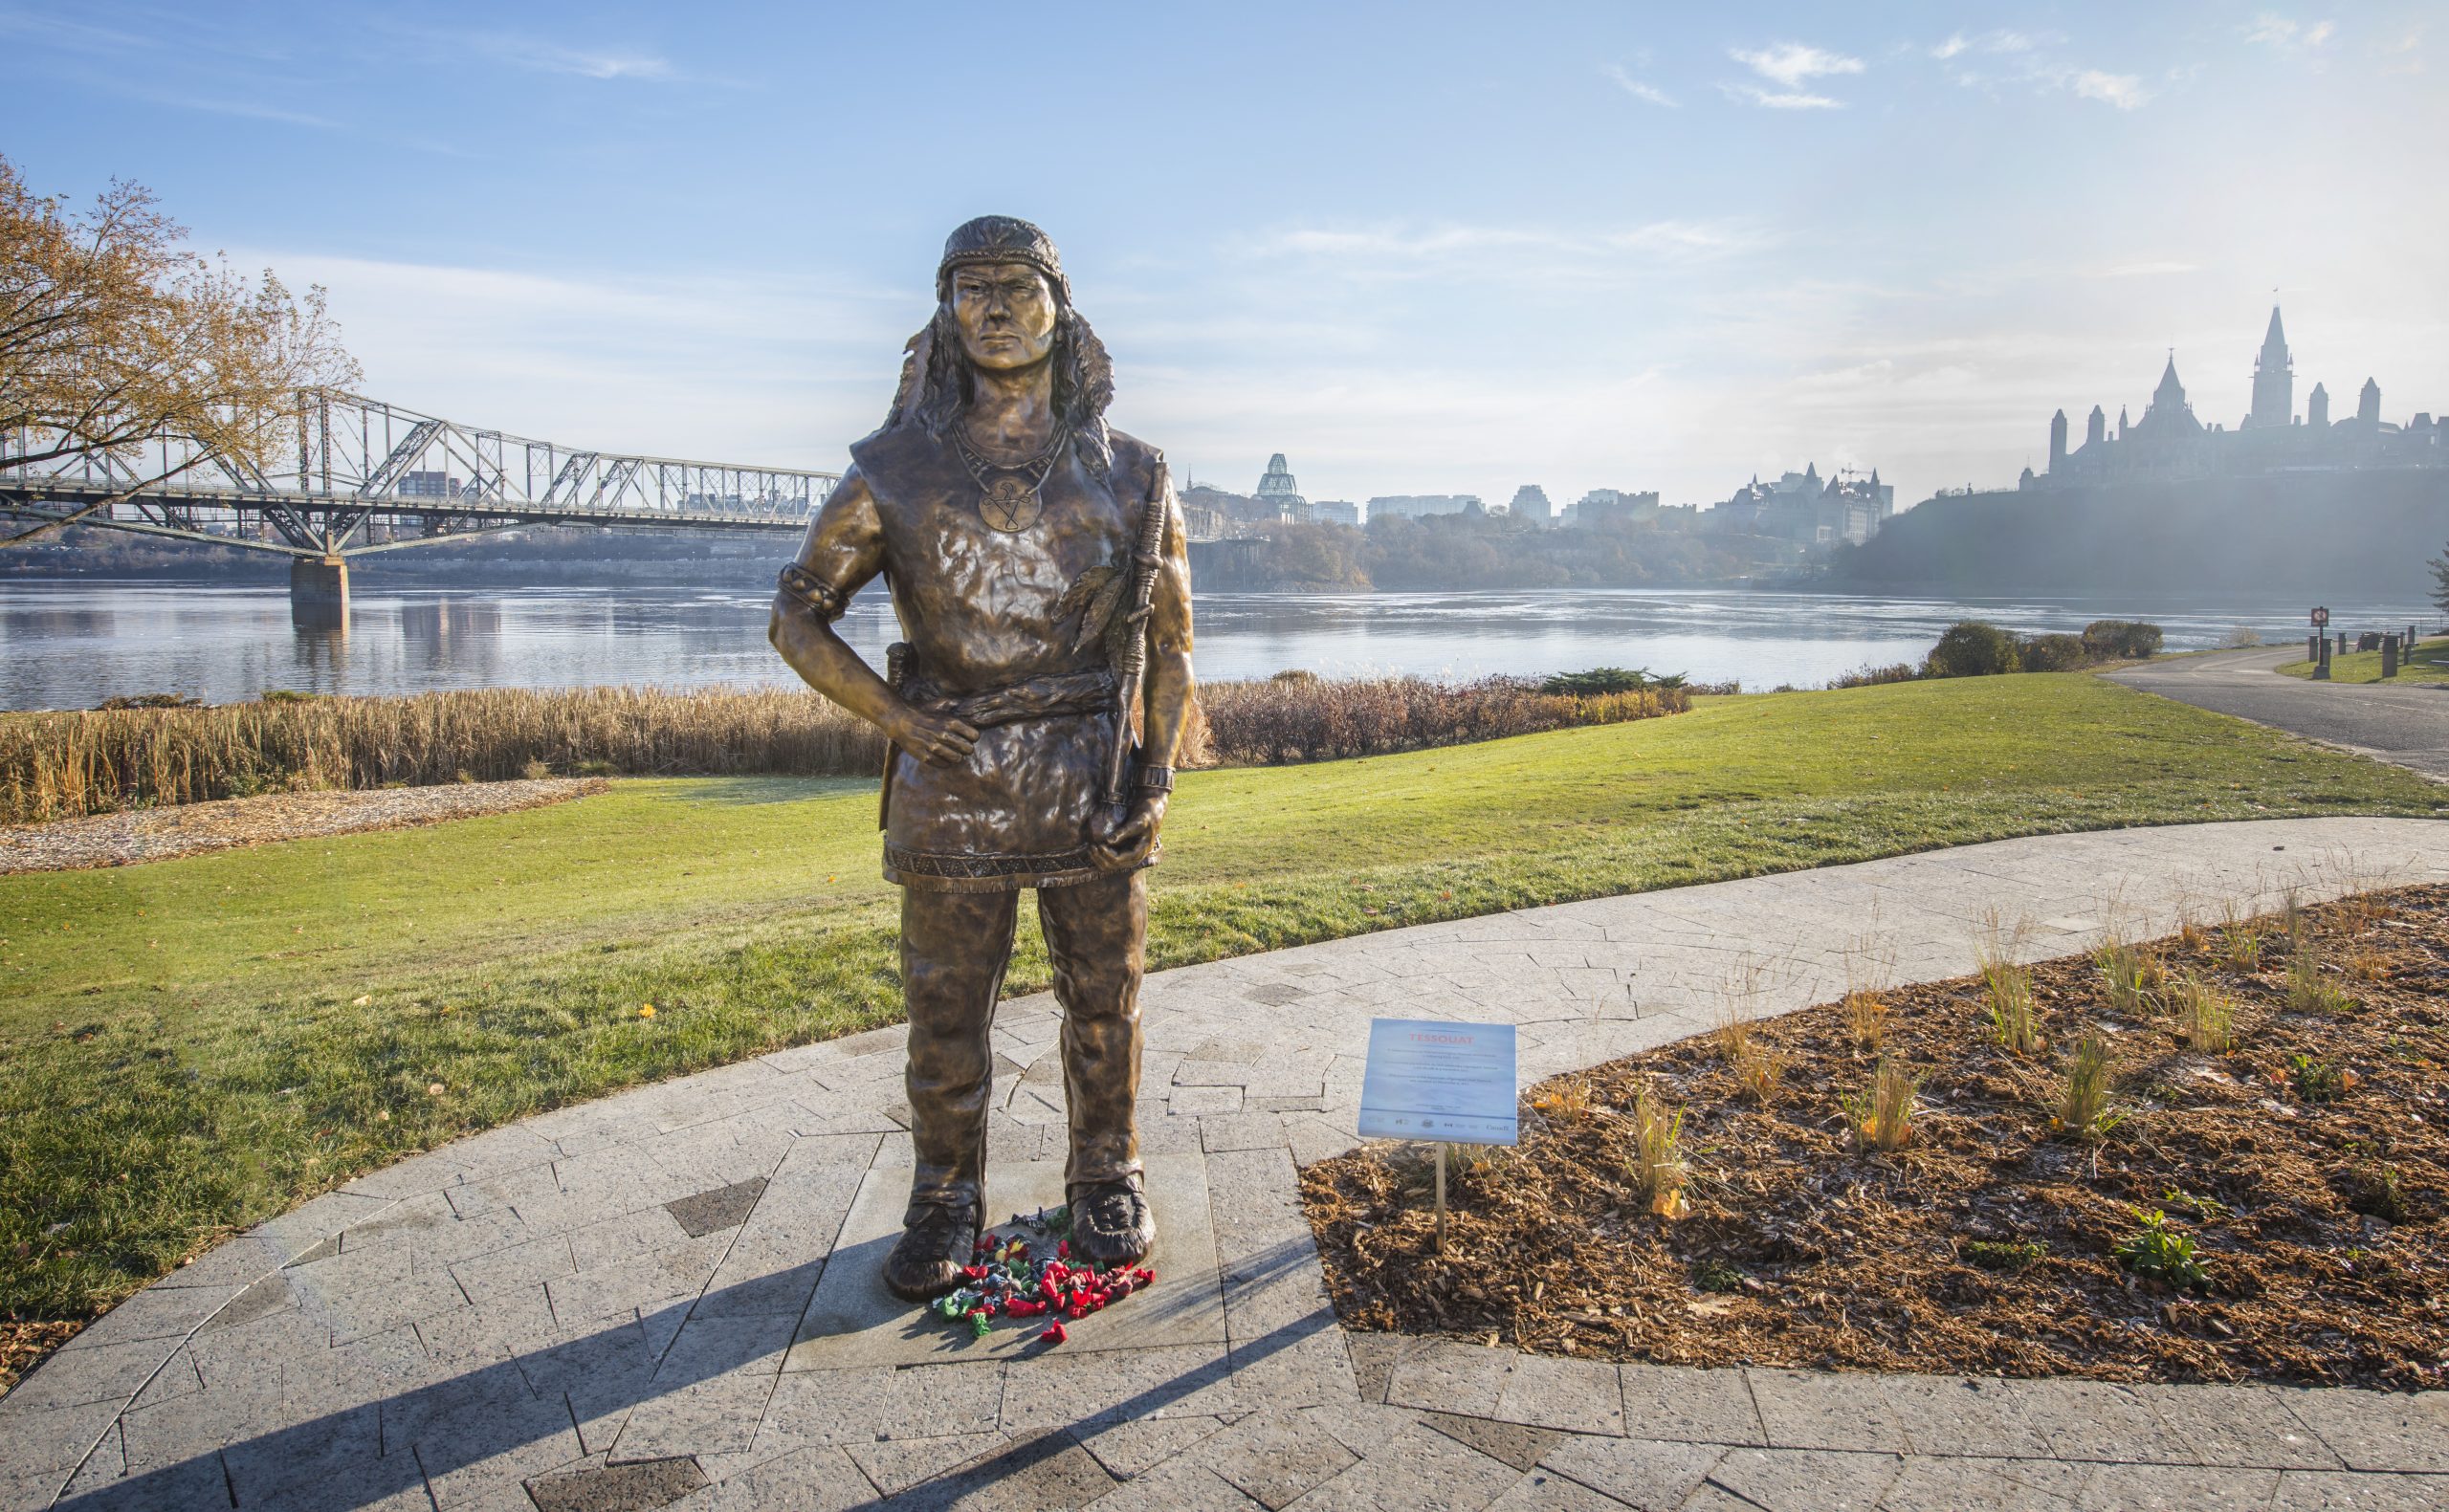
2318	1081
2375	1191
2089	1077
2240	947
2205	1016
2005	1255
1881	1115
2205	1209
1716	1275
1657	1167
2162	1253
2309	990
535	771
286	695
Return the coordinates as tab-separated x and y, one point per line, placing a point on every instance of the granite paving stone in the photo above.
1695	1406
1546	1491
2175	1489
1276	1458
2317	1491
1811	1479
607	1296
1645	1474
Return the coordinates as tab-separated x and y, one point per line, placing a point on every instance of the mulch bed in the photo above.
2309	1166
157	834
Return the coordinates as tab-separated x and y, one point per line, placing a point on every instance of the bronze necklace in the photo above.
1011	502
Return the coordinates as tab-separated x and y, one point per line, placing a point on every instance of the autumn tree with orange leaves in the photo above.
119	345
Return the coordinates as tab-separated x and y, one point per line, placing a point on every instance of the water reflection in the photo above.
71	645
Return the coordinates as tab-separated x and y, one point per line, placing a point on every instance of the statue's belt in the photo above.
1044	697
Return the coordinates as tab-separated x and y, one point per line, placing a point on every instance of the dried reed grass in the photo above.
63	765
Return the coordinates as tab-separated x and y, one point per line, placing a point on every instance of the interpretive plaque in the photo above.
1436	1079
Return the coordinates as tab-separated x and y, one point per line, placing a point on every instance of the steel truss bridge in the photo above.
372	476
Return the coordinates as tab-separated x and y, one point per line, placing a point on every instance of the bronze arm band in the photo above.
1153	779
800	586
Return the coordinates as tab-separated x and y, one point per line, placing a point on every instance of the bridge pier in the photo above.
319	591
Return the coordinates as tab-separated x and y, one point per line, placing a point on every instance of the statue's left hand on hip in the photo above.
1127	843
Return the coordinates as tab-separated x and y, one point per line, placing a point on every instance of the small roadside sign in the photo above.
1432	1078
2320	618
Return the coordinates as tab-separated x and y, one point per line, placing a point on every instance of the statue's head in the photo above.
1002	305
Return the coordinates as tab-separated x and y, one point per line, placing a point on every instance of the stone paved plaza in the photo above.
628	1305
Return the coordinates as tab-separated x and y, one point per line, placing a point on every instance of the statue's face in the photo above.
1006	312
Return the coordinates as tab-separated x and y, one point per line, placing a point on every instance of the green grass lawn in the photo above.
2428	665
191	1046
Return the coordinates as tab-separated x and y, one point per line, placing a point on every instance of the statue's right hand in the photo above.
936	739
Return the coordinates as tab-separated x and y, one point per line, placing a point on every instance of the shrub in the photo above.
2162	1253
2052	654
1972	648
2242	637
2120	640
1609	680
1870	676
1758	1069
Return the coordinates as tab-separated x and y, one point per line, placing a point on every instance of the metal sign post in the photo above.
1437	1080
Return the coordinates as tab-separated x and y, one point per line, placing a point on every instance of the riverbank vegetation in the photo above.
191	1046
63	765
1979	649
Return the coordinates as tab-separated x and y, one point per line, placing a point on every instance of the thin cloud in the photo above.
1792	63
1648	94
1779	99
2286	34
2123	91
546	58
1988	42
1537	256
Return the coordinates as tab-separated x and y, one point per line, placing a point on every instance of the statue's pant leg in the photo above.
954	948
1097	933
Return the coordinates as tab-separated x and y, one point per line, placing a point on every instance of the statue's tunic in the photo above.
985	616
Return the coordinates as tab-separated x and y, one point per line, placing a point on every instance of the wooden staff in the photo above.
1132	667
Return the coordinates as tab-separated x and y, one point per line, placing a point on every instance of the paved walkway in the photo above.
2405	725
628	1305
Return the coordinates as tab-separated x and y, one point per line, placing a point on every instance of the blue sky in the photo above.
1417	248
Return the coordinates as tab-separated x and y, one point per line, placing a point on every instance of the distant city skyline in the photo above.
1593	250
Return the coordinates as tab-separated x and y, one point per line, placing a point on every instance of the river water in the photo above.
69	644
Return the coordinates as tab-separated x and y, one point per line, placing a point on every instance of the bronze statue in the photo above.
1036	563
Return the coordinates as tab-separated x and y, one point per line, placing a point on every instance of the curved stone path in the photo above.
628	1305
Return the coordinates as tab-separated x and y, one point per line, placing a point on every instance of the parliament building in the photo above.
2170	442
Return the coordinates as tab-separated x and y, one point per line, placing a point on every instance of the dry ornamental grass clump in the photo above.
2273	1206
